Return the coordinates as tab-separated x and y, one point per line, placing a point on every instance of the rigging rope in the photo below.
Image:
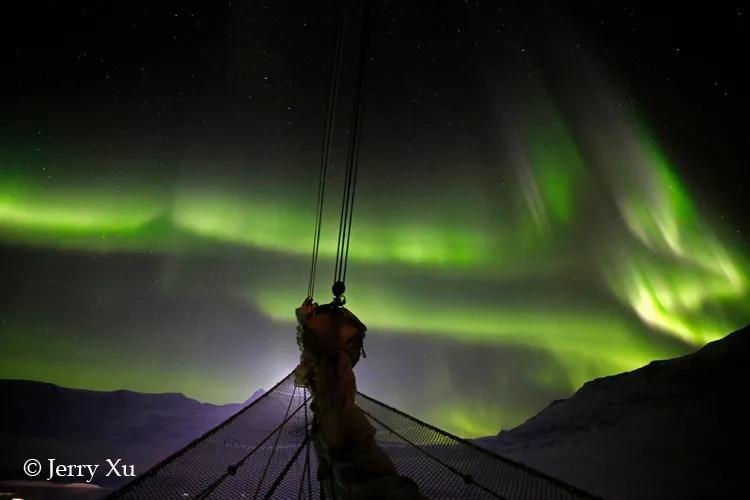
275	445
467	478
232	469
286	469
306	469
327	136
306	466
352	161
352	164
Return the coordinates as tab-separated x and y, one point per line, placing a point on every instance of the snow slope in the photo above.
671	429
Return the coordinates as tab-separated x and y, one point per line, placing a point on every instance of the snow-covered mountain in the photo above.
42	421
674	429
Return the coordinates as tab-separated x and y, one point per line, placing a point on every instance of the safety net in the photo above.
264	451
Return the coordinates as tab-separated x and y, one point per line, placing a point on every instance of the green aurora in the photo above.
648	277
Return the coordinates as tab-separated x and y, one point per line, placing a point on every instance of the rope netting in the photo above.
264	452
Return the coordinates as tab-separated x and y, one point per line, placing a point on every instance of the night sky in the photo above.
547	193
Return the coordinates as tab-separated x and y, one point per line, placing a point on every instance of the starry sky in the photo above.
548	192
